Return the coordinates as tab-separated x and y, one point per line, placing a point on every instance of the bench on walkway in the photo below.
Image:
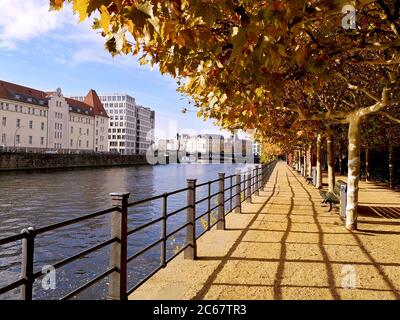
331	198
309	180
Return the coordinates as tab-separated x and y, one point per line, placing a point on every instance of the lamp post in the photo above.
77	140
15	133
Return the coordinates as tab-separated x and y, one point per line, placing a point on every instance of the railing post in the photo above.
261	180
238	202
221	202
248	188
191	251
264	176
164	231
117	289
28	244
257	182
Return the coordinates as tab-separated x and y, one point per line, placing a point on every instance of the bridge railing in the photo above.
231	192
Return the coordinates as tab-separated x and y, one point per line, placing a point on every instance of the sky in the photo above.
45	50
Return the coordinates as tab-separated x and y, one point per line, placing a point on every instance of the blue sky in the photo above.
46	50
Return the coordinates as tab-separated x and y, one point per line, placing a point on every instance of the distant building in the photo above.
35	119
256	149
130	125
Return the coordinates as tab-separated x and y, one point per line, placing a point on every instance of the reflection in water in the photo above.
42	198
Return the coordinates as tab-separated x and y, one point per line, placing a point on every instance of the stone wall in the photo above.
26	161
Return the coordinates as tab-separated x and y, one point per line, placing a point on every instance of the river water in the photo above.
40	198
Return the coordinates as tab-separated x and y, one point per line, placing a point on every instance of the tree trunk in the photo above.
391	167
319	159
353	176
305	162
309	157
330	160
340	159
367	173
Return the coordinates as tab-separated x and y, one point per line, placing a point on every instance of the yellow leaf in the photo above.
81	7
105	18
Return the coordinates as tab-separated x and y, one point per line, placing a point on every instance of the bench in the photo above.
309	180
331	198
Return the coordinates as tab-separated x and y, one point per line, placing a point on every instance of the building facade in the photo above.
131	126
36	119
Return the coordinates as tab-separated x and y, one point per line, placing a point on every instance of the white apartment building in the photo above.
131	126
32	118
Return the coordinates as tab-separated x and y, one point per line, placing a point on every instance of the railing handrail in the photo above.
253	180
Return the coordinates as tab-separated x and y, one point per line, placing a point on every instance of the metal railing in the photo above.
240	187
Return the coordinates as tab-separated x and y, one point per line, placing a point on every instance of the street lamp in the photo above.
15	133
77	140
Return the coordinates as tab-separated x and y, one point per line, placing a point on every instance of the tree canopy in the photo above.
286	68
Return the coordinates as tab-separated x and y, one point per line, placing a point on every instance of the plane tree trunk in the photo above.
391	167
330	160
353	176
319	161
367	172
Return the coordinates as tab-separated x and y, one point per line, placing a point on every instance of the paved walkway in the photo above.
286	246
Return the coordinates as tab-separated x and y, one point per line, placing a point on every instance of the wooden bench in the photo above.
309	180
331	198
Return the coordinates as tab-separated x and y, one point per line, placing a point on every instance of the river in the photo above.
40	198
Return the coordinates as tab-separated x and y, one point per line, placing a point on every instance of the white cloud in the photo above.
23	20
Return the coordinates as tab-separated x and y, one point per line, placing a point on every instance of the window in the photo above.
30	124
41	141
71	143
87	132
4	121
18	123
42	126
72	130
17	139
30	139
3	138
80	143
80	130
87	144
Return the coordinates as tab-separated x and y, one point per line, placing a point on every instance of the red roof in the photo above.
91	105
11	91
93	100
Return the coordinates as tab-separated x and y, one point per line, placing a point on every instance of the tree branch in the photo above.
389	116
383	102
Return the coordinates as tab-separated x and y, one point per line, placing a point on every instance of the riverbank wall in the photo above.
10	161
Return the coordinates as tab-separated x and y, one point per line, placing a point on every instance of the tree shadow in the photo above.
223	260
379	212
329	270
